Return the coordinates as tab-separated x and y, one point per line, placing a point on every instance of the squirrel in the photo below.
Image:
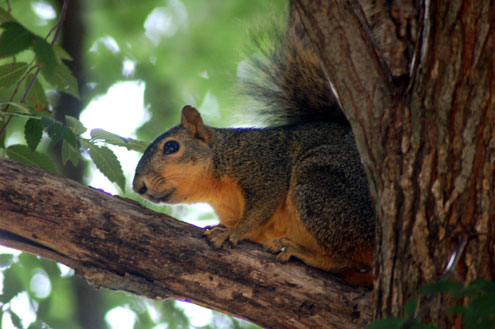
297	187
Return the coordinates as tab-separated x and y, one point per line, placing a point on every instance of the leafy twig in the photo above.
57	32
9	9
17	88
63	14
2	130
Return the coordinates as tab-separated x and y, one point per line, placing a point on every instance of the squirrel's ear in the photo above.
191	121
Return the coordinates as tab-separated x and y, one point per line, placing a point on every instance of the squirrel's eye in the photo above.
170	147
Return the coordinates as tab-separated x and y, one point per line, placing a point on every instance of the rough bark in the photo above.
118	244
429	147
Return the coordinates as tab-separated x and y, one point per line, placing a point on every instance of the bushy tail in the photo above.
287	78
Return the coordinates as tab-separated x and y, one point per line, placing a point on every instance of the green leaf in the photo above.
104	135
14	39
484	304
69	137
106	161
45	55
61	53
6	260
418	325
17	108
476	320
441	286
36	98
410	308
22	153
11	73
58	131
54	129
483	285
114	139
12	284
414	325
75	125
4	16
388	323
43	308
62	79
16	320
33	130
38	325
457	309
70	153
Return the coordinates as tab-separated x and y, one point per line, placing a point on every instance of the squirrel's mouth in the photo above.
162	197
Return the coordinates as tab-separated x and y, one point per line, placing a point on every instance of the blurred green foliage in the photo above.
474	301
184	51
193	52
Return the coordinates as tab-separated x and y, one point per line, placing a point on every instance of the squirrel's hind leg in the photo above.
329	191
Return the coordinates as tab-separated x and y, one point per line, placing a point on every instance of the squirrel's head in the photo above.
177	166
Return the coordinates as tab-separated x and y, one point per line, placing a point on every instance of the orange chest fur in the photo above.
229	207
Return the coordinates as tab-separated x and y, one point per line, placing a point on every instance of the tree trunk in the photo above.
428	145
118	244
88	301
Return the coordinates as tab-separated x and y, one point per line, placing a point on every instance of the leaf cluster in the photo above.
34	106
58	308
14	39
18	272
475	302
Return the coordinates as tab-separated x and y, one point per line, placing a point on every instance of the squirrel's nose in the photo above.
139	186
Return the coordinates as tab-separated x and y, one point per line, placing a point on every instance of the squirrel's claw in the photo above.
282	247
284	255
234	237
277	245
216	235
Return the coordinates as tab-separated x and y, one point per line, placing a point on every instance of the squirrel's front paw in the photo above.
217	235
283	247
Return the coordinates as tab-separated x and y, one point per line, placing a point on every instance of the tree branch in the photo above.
118	244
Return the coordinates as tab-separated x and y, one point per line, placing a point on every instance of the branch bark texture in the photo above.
118	244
